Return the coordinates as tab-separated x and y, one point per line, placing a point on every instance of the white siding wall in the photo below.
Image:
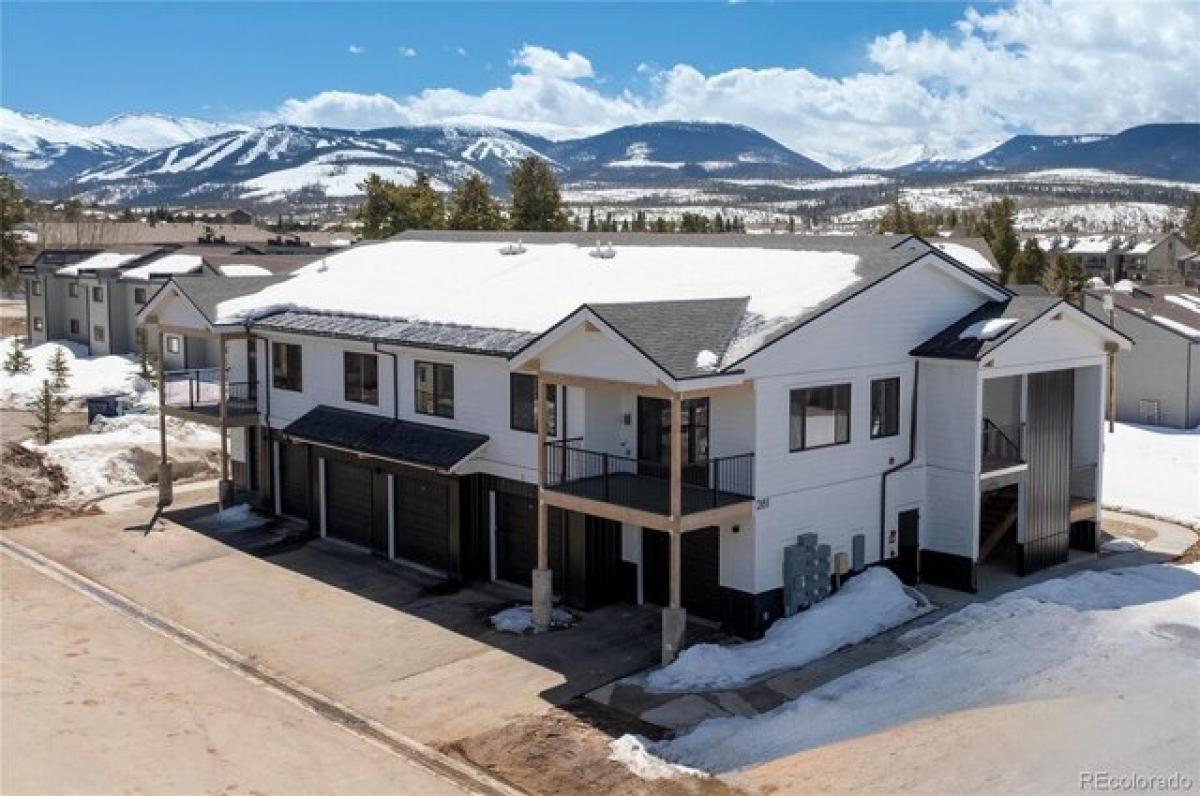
835	491
951	402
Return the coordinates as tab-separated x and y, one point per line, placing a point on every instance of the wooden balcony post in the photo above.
676	459
165	477
542	581
225	489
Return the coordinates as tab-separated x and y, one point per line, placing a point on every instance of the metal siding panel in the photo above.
1048	496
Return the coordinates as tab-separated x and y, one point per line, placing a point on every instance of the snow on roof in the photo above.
170	265
242	269
1183	300
969	257
988	329
473	284
1141	247
1094	244
1182	328
1125	286
103	261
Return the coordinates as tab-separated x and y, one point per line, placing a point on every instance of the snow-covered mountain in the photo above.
925	157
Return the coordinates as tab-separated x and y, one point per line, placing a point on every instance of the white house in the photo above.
707	399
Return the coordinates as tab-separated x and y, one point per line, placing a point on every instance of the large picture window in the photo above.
820	416
361	375
885	408
435	389
285	367
522	404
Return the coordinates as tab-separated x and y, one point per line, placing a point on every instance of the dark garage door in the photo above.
516	540
422	522
293	477
700	570
348	502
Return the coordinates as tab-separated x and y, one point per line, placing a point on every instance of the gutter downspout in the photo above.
395	378
912	454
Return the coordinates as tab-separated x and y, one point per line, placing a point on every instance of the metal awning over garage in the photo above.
403	441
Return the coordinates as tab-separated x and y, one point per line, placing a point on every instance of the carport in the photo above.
380	484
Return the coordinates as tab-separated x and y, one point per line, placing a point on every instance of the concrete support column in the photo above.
542	579
674	617
166	494
674	622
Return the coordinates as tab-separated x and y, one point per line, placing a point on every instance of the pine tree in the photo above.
472	206
1029	265
1065	278
17	360
147	359
536	201
901	219
996	227
390	208
46	408
13	247
591	220
59	368
1191	224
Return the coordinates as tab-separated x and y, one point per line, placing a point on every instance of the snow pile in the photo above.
707	360
867	605
111	375
1067	637
630	751
122	453
1121	544
969	257
1125	286
1153	470
519	619
241	517
986	330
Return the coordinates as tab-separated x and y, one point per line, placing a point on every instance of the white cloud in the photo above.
1049	66
408	52
461	51
354	49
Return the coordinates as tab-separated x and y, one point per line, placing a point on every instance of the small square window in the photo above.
35	287
435	389
98	294
74	326
139	295
286	363
174	344
360	373
522	404
37	324
98	334
885	408
73	290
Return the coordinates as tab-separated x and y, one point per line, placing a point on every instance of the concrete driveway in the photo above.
386	642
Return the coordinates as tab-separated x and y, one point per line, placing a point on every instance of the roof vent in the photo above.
513	248
604	253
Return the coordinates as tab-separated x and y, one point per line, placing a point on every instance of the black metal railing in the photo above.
627	481
1002	444
199	389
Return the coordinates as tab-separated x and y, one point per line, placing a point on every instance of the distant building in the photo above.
1158	380
1156	261
214	215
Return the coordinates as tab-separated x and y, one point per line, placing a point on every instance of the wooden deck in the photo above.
643	493
238	413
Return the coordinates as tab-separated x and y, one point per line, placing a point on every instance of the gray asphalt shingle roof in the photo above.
1025	309
399	440
673	333
207	291
422	334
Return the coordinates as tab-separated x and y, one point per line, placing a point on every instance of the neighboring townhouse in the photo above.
705	400
1160	260
1158	381
91	296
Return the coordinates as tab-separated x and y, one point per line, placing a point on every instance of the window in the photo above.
139	295
285	366
98	294
820	416
885	408
174	344
73	290
37	324
98	334
361	374
522	411
74	326
435	389
35	287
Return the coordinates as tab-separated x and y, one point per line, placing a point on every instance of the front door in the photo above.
907	562
654	438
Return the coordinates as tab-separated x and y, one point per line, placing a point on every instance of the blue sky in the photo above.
219	59
838	81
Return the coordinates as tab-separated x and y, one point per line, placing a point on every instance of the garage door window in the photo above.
361	376
435	389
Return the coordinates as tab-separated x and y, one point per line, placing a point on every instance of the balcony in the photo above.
1002	449
196	394
645	486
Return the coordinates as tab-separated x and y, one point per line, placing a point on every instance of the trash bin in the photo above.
104	406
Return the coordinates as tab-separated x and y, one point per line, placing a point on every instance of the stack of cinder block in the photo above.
806	571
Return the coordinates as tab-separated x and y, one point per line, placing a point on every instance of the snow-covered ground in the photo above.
869	604
1153	470
519	619
122	453
241	517
89	376
1128	217
1083	177
924	200
1091	636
